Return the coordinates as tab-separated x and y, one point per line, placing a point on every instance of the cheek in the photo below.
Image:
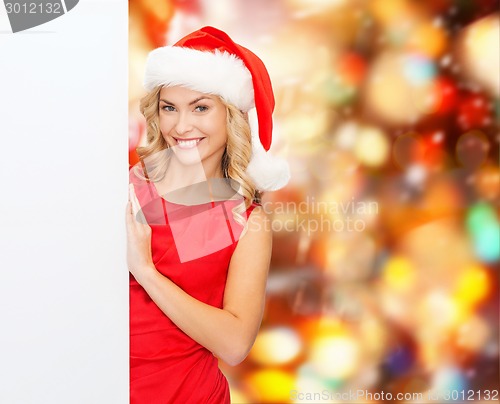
220	133
219	129
213	129
165	126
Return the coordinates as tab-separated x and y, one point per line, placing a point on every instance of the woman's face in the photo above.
194	125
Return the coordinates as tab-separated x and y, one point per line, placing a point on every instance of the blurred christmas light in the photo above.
428	39
352	68
438	137
487	242
395	306
445	96
435	156
371	147
399	360
429	353
333	166
399	274
345	302
374	334
472	286
474	333
448	380
368	378
160	11
479	214
311	53
416	175
137	56
388	12
309	381
335	356
400	87
237	396
472	149
418	69
338	92
340	87
346	134
306	128
398	32
271	385
157	16
350	256
221	12
440	312
484	228
316	4
474	111
276	346
408	149
428	248
480	50
441	198
487	183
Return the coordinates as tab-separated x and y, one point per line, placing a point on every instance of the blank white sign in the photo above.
63	189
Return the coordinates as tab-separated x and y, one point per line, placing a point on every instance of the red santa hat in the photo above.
210	62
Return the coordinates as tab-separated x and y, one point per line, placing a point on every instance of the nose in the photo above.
184	124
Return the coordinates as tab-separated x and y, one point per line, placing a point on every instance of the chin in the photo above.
187	157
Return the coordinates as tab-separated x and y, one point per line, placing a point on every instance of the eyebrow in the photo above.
204	97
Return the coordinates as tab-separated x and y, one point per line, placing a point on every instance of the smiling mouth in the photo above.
188	143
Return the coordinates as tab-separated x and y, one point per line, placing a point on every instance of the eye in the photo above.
201	108
168	108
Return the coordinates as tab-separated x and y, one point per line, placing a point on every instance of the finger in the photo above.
129	214
136	206
133	198
128	209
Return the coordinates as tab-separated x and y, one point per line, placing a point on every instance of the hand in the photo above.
139	257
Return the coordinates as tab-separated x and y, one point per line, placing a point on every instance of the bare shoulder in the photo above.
256	239
259	222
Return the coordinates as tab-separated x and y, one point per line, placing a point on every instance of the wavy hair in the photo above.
234	160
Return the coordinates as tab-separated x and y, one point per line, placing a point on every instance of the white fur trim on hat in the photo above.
268	172
208	72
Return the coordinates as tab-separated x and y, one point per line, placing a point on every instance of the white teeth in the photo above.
187	144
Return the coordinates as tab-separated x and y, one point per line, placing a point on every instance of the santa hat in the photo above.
210	62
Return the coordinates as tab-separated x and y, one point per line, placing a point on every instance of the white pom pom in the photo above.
269	173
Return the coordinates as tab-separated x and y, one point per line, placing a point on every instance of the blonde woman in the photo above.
198	242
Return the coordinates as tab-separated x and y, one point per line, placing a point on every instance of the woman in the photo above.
198	243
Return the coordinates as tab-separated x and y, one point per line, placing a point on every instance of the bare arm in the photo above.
231	331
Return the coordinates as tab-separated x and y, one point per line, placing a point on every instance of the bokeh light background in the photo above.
384	276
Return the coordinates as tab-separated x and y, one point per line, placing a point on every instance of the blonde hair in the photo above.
234	160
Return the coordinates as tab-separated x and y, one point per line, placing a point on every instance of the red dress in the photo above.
166	365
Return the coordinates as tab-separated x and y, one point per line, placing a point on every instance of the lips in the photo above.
188	143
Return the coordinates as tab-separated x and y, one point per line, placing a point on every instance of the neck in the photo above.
180	175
